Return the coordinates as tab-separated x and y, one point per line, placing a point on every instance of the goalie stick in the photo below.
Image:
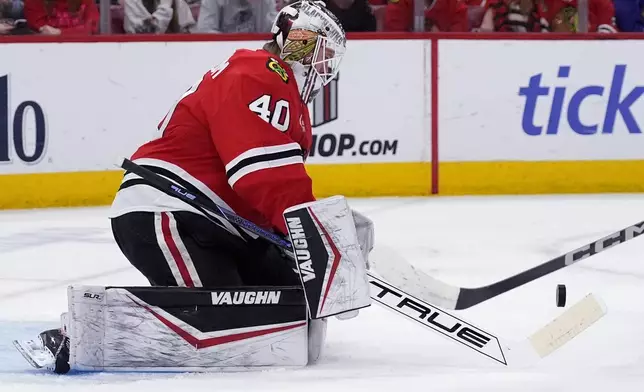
545	341
432	290
540	344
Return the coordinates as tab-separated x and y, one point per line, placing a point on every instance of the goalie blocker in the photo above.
330	258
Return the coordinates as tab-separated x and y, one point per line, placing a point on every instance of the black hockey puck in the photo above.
561	295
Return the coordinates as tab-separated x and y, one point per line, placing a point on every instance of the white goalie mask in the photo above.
312	41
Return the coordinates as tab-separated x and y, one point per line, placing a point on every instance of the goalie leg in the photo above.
187	250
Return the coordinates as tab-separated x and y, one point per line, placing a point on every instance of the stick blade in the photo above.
568	325
400	273
435	319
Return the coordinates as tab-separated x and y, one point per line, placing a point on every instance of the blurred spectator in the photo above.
157	17
562	15
378	8
629	15
68	17
519	16
355	15
440	15
279	4
236	16
12	18
475	12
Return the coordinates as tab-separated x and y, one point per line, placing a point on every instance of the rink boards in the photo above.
406	116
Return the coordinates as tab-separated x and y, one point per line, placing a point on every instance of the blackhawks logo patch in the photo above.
276	67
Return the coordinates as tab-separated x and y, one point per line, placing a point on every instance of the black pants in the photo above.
186	249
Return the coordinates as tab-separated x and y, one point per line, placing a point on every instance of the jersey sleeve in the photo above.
251	133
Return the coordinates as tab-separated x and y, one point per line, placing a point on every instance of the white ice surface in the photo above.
468	241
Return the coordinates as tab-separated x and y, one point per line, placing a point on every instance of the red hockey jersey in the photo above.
239	136
508	16
562	15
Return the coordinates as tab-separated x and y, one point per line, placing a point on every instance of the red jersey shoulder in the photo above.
261	64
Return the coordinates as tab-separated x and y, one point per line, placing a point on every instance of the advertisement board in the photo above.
408	114
378	109
79	107
540	116
98	101
541	100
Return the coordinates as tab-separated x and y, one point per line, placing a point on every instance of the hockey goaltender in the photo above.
220	297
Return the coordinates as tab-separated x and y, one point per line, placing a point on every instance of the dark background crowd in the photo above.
82	17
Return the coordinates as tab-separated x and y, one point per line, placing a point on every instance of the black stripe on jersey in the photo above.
263	158
133	182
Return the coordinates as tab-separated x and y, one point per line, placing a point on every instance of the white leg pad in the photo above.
115	329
